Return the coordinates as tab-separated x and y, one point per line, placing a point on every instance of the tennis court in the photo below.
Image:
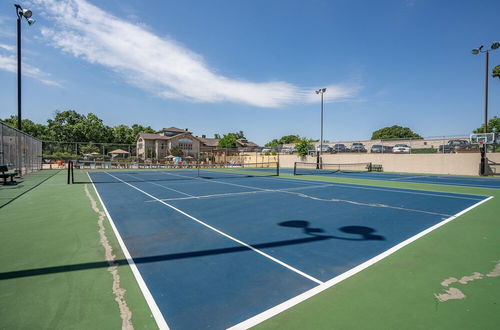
227	250
360	171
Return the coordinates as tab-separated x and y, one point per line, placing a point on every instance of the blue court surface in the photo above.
453	180
214	253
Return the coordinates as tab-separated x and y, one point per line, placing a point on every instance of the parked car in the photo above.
339	147
378	148
358	147
287	150
266	150
455	145
323	148
401	149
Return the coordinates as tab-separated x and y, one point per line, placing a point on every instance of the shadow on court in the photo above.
363	233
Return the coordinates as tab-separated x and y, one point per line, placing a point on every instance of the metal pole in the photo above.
18	72
485	146
486	94
321	142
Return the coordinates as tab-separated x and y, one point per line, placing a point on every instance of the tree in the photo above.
303	147
287	139
176	151
36	130
492	123
496	72
394	132
89	148
227	141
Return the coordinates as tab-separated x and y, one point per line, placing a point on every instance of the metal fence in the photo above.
54	150
19	150
428	145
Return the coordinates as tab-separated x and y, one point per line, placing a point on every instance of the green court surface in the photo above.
55	273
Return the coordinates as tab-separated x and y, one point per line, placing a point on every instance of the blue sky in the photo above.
223	65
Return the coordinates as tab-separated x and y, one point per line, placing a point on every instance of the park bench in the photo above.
376	168
5	174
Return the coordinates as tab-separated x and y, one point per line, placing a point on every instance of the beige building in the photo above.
157	145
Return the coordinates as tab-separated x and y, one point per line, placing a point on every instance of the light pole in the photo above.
26	13
476	51
320	153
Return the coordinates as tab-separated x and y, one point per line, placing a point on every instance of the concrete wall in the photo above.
458	164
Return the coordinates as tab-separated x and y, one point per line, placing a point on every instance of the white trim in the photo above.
222	233
158	316
300	298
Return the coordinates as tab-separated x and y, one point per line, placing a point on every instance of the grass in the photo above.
54	273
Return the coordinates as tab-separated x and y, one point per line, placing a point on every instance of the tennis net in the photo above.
83	171
303	168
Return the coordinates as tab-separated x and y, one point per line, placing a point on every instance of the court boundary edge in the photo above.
155	311
273	311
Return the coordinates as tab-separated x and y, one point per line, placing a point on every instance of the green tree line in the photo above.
71	126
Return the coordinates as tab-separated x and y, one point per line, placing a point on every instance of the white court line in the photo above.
158	316
223	234
308	294
159	185
241	193
409	177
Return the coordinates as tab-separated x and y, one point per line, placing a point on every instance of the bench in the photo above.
376	168
5	174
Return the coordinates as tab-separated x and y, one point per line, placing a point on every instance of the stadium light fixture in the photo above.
320	153
476	51
21	13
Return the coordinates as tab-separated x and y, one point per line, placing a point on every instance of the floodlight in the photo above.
495	45
475	51
323	90
27	13
31	21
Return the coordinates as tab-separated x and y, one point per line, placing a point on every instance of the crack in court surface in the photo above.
118	291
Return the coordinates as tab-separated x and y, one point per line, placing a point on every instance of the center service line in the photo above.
222	233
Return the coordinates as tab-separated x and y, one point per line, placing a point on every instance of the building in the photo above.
157	145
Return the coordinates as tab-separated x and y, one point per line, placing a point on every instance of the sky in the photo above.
228	65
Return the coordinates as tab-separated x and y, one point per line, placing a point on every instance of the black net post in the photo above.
295	168
482	168
69	171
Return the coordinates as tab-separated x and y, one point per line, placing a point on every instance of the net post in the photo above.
294	168
69	171
72	172
278	167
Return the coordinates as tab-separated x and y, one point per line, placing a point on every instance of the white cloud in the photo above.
9	63
160	65
8	48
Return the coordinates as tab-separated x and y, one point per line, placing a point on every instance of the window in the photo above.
186	146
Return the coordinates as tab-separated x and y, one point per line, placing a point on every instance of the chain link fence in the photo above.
54	151
428	145
20	151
